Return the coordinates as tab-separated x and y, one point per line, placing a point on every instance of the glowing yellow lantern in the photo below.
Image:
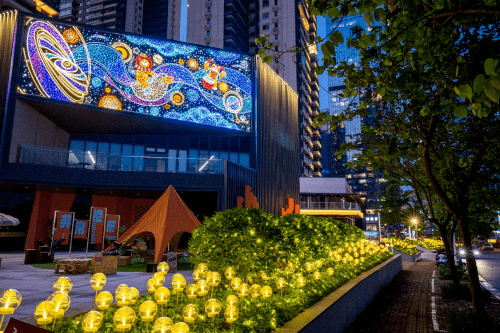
236	283
280	283
266	291
232	300
150	285
62	285
243	291
122	296
309	267
231	314
124	318
301	281
356	261
317	276
362	259
134	295
264	276
331	254
202	267
147	312
97	281
192	291
92	321
255	291
163	268
290	268
178	282
180	327
318	263
9	301
163	325
57	304
329	271
158	280
230	273
162	295
190	313
197	275
202	288
103	300
212	307
120	287
213	279
42	314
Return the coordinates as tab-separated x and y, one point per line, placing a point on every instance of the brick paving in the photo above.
405	305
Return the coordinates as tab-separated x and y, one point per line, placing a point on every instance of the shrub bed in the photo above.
402	245
430	243
461	291
313	255
445	272
465	322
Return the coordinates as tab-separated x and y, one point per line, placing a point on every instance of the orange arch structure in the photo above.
168	216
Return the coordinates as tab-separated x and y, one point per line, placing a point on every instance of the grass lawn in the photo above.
135	267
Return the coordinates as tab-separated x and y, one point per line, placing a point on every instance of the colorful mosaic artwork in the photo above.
137	74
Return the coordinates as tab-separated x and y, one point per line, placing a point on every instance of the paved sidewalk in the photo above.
412	302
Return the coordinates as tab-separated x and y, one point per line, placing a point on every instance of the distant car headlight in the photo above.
462	252
476	252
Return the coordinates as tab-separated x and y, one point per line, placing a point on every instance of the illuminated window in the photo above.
266	15
265	26
275	37
208	10
208	21
208	33
275	14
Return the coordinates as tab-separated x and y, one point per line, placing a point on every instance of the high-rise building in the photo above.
367	183
234	25
153	17
46	7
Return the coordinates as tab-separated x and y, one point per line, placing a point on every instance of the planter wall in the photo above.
408	257
337	311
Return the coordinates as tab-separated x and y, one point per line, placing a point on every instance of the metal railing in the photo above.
330	205
91	161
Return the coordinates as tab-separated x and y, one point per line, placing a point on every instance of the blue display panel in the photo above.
137	74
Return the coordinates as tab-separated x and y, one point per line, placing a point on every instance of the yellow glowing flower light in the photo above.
236	283
104	300
202	287
264	276
42	314
317	276
301	281
9	301
231	314
329	271
62	285
163	268
202	267
243	291
266	291
197	275
280	283
192	291
190	313
318	263
162	295
150	285
255	290
180	327
134	295
230	273
232	300
178	282
147	311
120	287
97	281
92	321
57	304
212	307
163	325
309	267
213	279
124	318
158	279
122	296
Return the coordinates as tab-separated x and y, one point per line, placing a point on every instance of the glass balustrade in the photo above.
330	205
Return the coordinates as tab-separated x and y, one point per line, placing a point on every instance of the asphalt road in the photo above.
488	265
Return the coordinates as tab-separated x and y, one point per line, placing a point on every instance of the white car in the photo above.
487	246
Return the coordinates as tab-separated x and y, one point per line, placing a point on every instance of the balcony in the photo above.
314	95
208	26
208	15
307	151
307	140
208	3
305	126
64	158
317	174
276	30
330	206
317	164
316	144
317	154
207	40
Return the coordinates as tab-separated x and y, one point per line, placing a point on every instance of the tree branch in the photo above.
489	11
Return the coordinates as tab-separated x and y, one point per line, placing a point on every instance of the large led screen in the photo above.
137	74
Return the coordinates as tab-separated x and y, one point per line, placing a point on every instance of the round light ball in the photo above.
9	301
147	311
255	290
98	281
197	275
120	287
42	314
189	313
134	295
202	287
232	300
330	271
163	268
236	283
57	304
317	276
162	295
243	291
104	300
213	279
158	280
92	321
124	319
180	327
281	283
62	285
122	296
230	273
163	325
192	291
301	281
266	291
202	267
178	282
318	263
231	314
150	286
309	266
212	307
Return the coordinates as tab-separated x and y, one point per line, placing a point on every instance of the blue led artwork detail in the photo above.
137	74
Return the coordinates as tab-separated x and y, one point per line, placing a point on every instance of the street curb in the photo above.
338	310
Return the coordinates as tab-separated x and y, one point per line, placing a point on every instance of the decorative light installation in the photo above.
163	325
243	291
103	300
213	279
255	291
97	282
281	283
9	301
190	313
236	283
318	263
120	287
317	276
122	296
92	321
266	291
150	285
180	327
57	304
134	295
162	295
62	285
231	314
158	280
124	318
202	267
232	300
42	316
178	285
147	312
197	275
301	282
265	276
230	273
192	291
212	308
202	288
309	267
330	271
163	268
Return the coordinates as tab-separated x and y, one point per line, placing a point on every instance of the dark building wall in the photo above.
155	18
236	177
236	25
277	162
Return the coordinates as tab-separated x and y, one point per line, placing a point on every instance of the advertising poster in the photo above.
81	228
112	226
97	218
62	226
